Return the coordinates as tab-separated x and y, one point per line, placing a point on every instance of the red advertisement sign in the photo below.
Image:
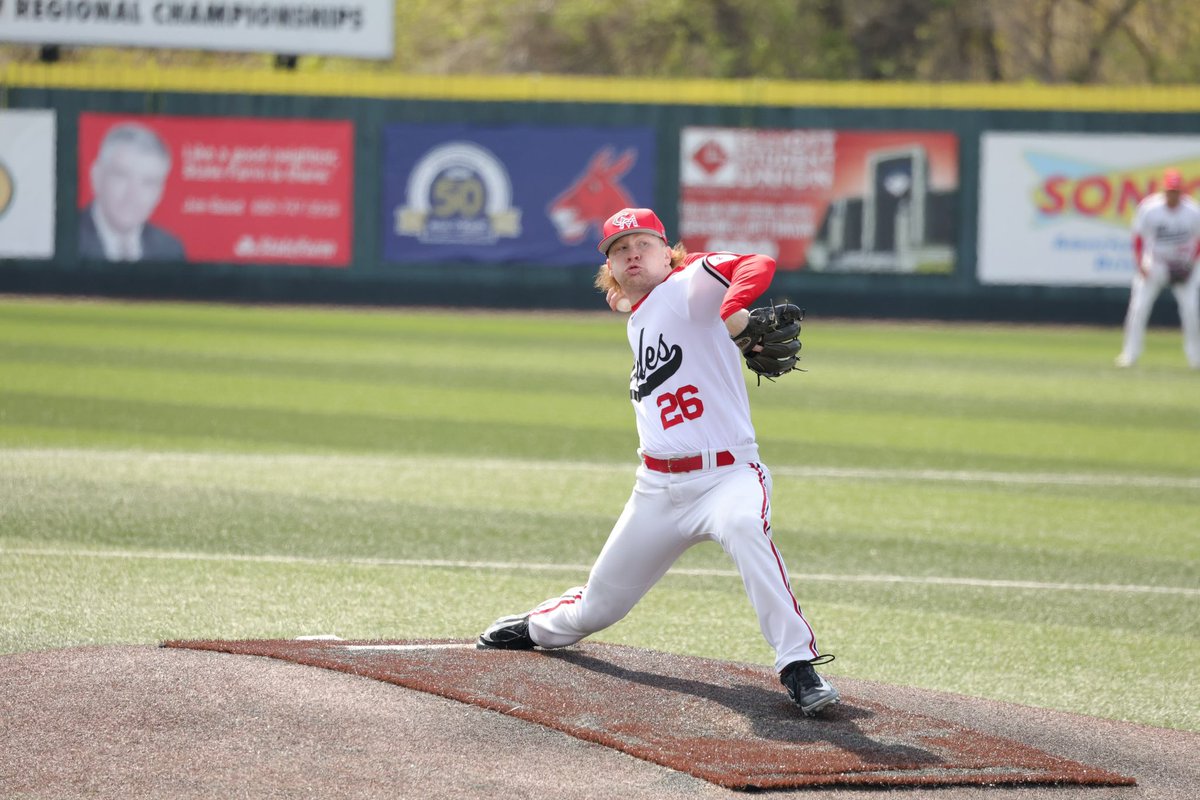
849	201
215	189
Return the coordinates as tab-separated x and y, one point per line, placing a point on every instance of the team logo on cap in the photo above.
625	220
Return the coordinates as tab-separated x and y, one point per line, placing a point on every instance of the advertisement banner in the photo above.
215	189
531	195
27	184
832	200
354	29
1056	209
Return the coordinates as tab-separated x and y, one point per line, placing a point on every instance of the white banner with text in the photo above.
1056	209
351	28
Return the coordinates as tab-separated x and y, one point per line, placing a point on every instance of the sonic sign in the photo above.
454	193
1056	210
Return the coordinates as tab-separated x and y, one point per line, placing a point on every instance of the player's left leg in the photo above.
1187	295
736	512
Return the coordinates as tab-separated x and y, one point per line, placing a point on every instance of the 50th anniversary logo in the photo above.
7	189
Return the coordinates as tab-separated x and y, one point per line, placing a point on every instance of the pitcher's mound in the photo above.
731	724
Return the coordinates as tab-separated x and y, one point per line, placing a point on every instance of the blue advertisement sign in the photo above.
520	194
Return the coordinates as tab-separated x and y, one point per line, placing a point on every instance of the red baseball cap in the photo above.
1172	180
631	220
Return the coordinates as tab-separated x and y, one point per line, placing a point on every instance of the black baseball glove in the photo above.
770	342
1179	271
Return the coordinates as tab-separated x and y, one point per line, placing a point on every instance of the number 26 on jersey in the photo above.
680	405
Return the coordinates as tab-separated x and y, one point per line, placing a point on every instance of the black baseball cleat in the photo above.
806	688
507	633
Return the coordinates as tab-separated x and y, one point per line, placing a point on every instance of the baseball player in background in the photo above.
700	476
1166	243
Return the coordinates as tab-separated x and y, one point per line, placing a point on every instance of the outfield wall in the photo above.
938	201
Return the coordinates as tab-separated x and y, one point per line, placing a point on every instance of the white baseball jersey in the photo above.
686	385
1168	234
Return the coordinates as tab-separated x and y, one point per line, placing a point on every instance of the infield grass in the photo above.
991	510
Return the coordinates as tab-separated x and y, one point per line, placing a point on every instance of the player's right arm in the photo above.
1140	261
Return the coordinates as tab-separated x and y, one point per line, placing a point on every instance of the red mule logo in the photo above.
593	196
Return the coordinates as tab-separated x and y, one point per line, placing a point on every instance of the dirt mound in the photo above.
156	722
730	724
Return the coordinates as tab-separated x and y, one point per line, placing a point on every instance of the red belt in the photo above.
687	463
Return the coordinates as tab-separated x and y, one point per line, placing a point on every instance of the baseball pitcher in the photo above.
700	478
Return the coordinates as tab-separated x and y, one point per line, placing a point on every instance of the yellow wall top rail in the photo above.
561	88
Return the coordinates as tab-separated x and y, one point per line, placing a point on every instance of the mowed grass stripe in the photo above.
623	467
309	414
502	566
490	510
998	398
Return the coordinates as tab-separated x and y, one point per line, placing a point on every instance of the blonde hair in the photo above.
605	281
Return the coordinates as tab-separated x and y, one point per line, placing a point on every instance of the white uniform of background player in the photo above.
701	478
1166	229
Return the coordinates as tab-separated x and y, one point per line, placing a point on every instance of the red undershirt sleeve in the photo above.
749	276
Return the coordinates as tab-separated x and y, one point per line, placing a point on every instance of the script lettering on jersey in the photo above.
1166	233
654	365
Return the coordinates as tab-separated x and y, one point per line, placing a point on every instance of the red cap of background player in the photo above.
631	220
1172	180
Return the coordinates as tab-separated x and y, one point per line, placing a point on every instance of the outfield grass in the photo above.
992	510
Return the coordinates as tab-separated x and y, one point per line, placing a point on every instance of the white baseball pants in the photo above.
666	515
1143	293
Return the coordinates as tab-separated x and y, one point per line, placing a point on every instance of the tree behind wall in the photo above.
1043	41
